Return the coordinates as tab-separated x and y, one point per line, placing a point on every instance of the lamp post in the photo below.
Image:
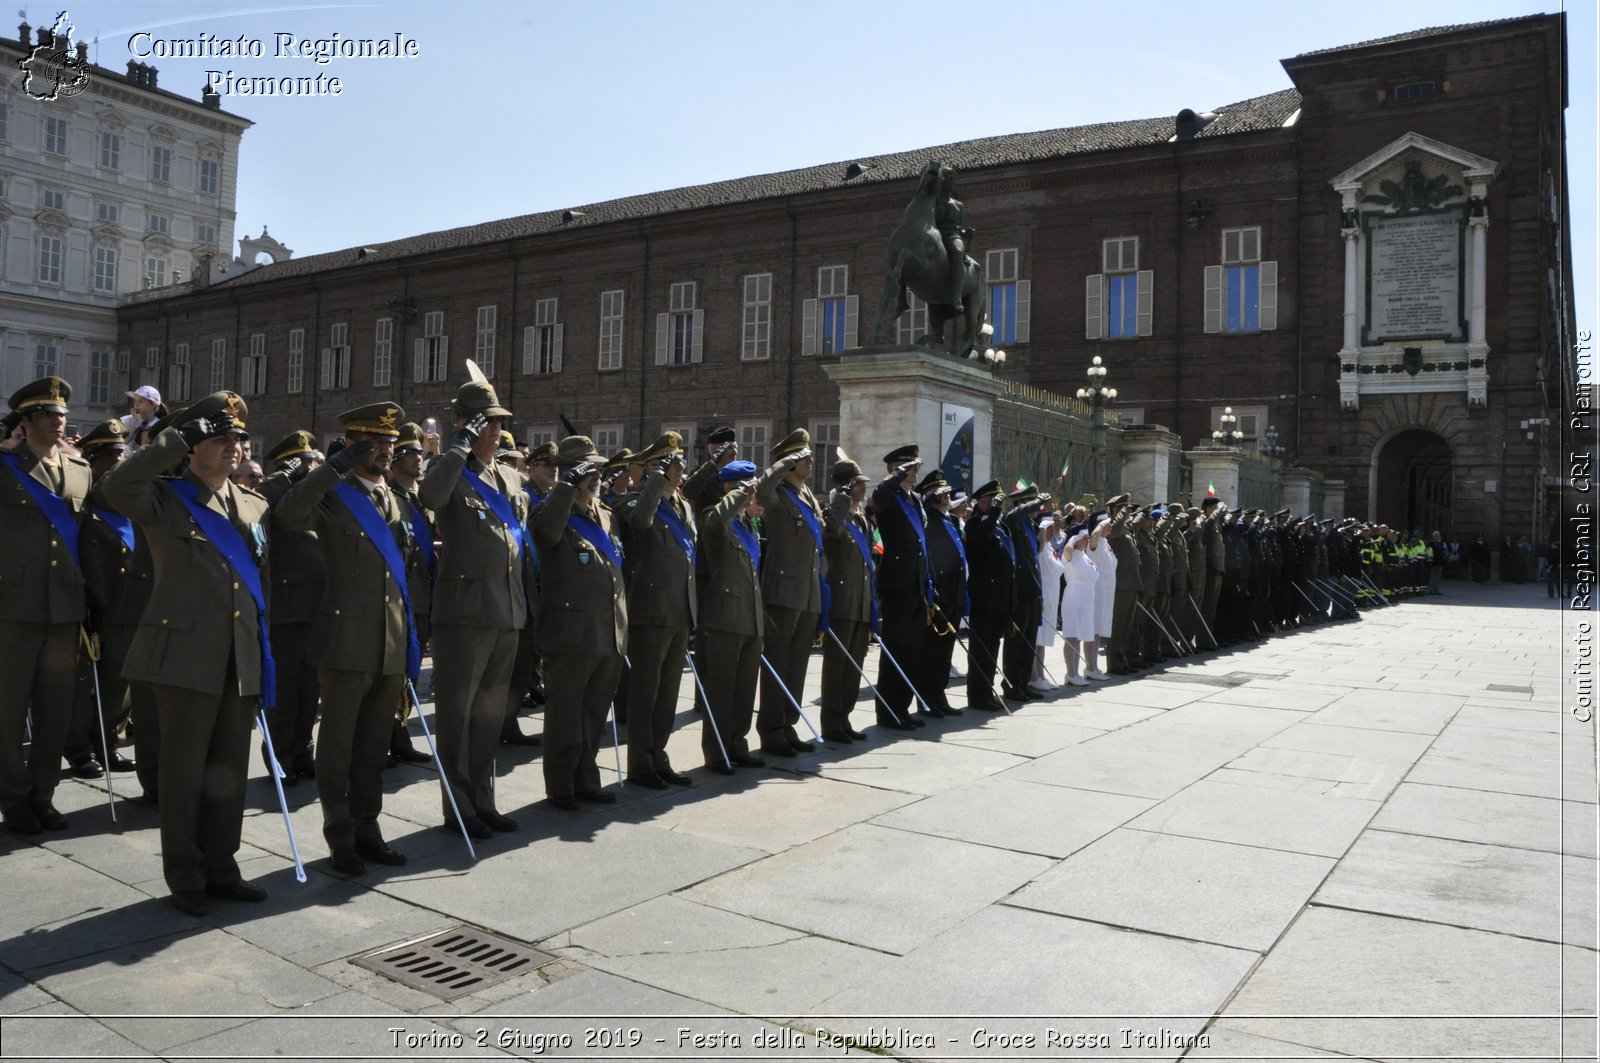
1228	434
1098	396
1269	445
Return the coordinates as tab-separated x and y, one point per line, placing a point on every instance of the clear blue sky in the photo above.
514	107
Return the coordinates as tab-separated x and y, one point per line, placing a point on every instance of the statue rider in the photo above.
949	216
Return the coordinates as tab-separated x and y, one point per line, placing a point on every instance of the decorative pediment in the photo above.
106	233
157	242
209	149
51	219
1414	173
161	131
110	118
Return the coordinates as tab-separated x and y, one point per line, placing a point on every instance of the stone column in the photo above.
891	396
1147	451
1477	338
1213	464
1350	350
1297	489
1333	499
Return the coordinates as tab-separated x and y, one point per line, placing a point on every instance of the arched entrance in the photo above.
1412	482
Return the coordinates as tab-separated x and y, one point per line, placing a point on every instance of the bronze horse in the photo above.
919	262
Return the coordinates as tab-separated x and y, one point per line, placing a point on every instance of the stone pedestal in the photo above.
1333	499
1211	464
891	396
1148	452
1297	490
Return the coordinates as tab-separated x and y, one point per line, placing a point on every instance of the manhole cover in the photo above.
455	962
1510	689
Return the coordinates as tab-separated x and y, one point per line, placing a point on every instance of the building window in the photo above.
151	373
678	331
5	126
336	358
102	365
825	447
1010	299
111	151
611	329
210	177
52	199
46	359
295	368
538	437
219	364
160	223
1415	90
205	236
753	440
253	368
105	269
828	322
161	164
382	351
911	325
110	213
483	344
1118	300
178	378
757	344
50	259
1241	295
155	271
541	341
55	135
608	438
431	352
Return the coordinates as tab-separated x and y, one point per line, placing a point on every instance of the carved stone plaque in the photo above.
1414	276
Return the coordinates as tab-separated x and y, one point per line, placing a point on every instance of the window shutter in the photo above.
852	321
1093	292
663	337
1213	302
444	358
1143	309
1269	296
419	359
555	348
530	349
699	335
325	369
808	327
1024	305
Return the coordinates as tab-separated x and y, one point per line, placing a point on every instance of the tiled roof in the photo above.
1431	31
1259	113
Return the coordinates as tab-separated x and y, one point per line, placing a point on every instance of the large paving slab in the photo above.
1507	761
1010	813
1209	891
1494	818
873	886
1314	823
915	765
55	1030
1408	711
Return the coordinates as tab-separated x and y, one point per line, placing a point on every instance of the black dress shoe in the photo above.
777	749
987	706
720	767
410	754
800	745
647	779
897	725
120	763
379	852
842	737
305	767
533	698
87	768
565	802
748	760
150	799
597	797
517	738
20	819
476	828
190	902
496	821
937	713
859	736
48	817
951	710
918	719
347	861
238	891
676	778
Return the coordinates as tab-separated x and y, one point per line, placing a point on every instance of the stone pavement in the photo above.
1370	839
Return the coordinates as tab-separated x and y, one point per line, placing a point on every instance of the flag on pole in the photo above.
1065	464
1211	489
1022	482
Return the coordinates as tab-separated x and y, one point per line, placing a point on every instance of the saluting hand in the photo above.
203	428
468	434
351	456
579	473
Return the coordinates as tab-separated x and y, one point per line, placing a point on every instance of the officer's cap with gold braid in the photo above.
985	490
666	446
934	483
792	443
620	460
111	433
49	395
292	446
409	439
542	452
381	419
213	408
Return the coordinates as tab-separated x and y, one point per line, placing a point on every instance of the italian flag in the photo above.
1022	482
1066	463
1211	489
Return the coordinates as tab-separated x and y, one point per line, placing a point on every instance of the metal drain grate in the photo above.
1507	688
454	962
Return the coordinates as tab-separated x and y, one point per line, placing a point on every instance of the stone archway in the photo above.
1413	482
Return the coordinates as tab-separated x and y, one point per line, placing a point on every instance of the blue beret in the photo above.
737	470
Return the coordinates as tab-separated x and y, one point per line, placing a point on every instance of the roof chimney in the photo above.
24	34
209	97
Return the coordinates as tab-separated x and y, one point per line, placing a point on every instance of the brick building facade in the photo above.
1209	259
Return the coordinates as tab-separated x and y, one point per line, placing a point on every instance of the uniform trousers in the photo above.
656	652
729	663
1021	637
787	638
1208	604
83	738
578	690
1126	648
36	666
985	630
902	634
295	714
146	716
841	680
352	747
471	670
205	755
523	671
933	674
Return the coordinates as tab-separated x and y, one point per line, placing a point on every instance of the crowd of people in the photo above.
159	579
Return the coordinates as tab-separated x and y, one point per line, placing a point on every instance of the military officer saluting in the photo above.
992	584
853	605
792	589
905	592
363	644
731	617
43	491
299	577
583	624
202	642
947	567
405	471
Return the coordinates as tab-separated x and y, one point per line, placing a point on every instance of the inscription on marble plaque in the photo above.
1414	277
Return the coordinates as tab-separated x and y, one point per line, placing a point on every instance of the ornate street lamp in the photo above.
1269	444
1229	432
1097	394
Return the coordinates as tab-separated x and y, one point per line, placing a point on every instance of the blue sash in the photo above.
365	510
424	536
950	530
597	537
499	505
865	547
928	594
678	529
55	509
118	523
747	539
226	538
1033	544
810	515
1005	541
